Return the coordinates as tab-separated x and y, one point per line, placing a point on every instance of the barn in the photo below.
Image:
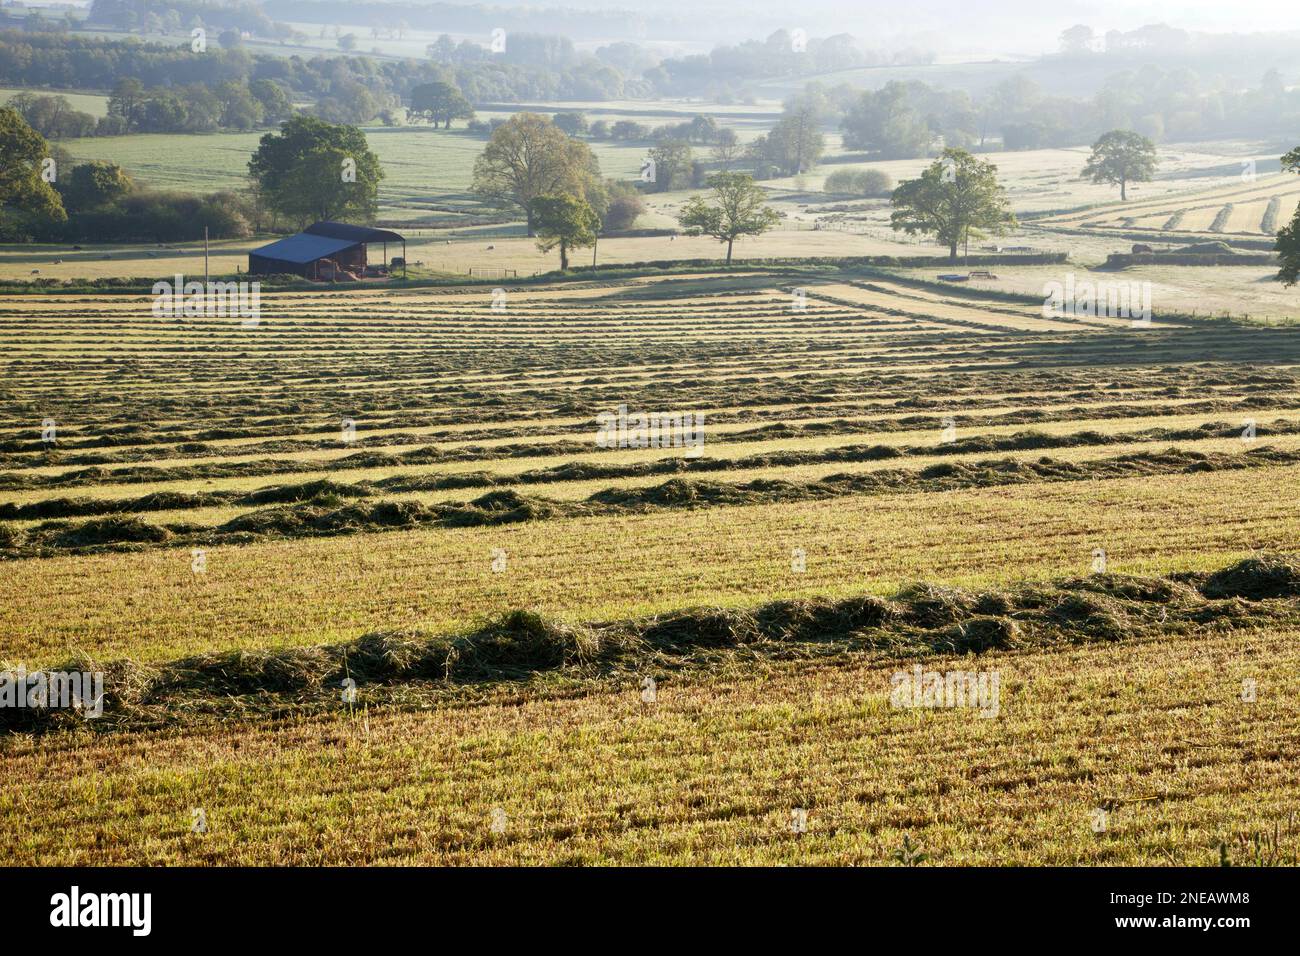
327	251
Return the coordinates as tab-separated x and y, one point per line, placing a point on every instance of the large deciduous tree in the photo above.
672	159
27	200
440	102
1288	239
958	197
312	170
94	184
1121	157
735	209
528	157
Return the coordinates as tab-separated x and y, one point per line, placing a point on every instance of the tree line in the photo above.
46	196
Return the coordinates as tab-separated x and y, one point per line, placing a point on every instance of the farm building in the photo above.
327	250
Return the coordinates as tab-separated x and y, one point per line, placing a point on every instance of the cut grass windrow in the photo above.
323	516
84	507
417	669
432	455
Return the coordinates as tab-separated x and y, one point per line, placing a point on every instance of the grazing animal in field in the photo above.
1140	247
58	262
490	248
36	272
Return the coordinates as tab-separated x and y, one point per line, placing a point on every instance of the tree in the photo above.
442	49
239	108
52	116
1288	239
349	103
885	121
726	148
528	157
347	42
1078	39
440	102
126	101
1121	157
737	209
955	198
795	143
24	193
624	207
563	221
276	105
93	185
859	182
627	129
312	169
573	124
672	165
701	129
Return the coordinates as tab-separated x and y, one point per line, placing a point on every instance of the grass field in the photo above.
209	531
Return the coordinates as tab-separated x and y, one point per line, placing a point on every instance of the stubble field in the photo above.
1100	514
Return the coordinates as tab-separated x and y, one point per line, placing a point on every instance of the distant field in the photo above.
1232	209
427	172
1240	291
96	104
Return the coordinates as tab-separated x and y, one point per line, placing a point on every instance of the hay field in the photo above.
209	531
1254	206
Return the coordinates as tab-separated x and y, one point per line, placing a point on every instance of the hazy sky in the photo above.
978	27
984	26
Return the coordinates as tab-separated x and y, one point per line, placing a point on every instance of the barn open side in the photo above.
327	251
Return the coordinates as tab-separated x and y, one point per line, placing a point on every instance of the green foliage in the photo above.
240	109
736	209
625	205
628	130
563	221
276	105
1288	251
909	854
1121	157
94	184
886	122
958	197
795	143
312	170
574	124
162	217
52	116
440	102
27	200
672	165
528	157
1288	240
859	182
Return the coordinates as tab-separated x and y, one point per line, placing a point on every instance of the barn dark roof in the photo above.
303	248
344	230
